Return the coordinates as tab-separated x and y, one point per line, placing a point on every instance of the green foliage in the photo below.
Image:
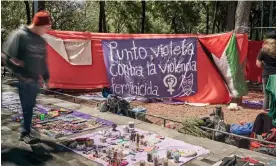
126	16
12	16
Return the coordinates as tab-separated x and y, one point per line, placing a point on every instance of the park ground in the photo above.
184	111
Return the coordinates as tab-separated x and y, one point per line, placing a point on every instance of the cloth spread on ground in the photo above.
54	122
271	89
253	104
75	52
118	139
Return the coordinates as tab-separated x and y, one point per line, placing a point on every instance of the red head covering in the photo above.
41	18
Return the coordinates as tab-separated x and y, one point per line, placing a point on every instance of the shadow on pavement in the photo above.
23	157
38	155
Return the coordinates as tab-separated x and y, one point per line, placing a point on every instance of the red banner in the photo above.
211	87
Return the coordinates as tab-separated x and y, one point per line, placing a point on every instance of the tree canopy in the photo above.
203	17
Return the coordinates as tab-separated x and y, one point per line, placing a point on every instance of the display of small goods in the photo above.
118	146
58	128
42	116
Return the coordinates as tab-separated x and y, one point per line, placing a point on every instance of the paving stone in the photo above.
5	129
68	105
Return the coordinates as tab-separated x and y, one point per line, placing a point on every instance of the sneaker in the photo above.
28	139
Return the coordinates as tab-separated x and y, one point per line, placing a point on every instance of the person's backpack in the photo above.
105	92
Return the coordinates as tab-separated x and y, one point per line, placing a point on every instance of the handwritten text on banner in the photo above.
152	67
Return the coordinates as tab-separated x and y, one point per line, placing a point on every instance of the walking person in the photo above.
25	51
267	60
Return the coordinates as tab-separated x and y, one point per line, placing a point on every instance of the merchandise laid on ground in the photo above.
53	122
239	161
127	145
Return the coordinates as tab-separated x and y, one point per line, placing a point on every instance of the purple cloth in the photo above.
167	143
253	104
155	68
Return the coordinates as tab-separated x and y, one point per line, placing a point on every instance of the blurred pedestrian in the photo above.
25	50
267	60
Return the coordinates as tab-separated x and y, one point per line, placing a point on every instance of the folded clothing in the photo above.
237	161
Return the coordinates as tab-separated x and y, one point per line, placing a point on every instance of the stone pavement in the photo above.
48	153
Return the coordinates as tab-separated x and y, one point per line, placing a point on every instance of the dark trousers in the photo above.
266	95
28	90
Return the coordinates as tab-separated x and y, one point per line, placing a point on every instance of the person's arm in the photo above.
260	59
11	49
45	74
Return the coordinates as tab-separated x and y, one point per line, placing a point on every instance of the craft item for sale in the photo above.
107	133
176	157
126	146
126	129
89	142
149	157
62	110
169	154
131	130
125	153
142	163
165	162
133	158
120	154
103	150
131	125
114	126
155	160
103	140
80	147
79	121
42	116
96	154
137	142
124	163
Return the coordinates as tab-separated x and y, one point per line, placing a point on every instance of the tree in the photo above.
41	5
242	16
143	16
13	14
102	18
231	9
215	16
207	17
28	12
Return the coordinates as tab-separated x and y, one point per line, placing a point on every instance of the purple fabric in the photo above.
10	100
155	68
167	143
253	104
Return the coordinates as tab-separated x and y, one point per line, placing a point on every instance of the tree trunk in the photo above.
104	19
215	16
207	19
101	15
242	16
174	24
231	16
143	16
28	12
41	5
270	14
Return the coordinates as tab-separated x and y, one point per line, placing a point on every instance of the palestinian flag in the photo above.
231	69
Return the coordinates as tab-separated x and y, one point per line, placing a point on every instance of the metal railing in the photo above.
171	120
163	118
